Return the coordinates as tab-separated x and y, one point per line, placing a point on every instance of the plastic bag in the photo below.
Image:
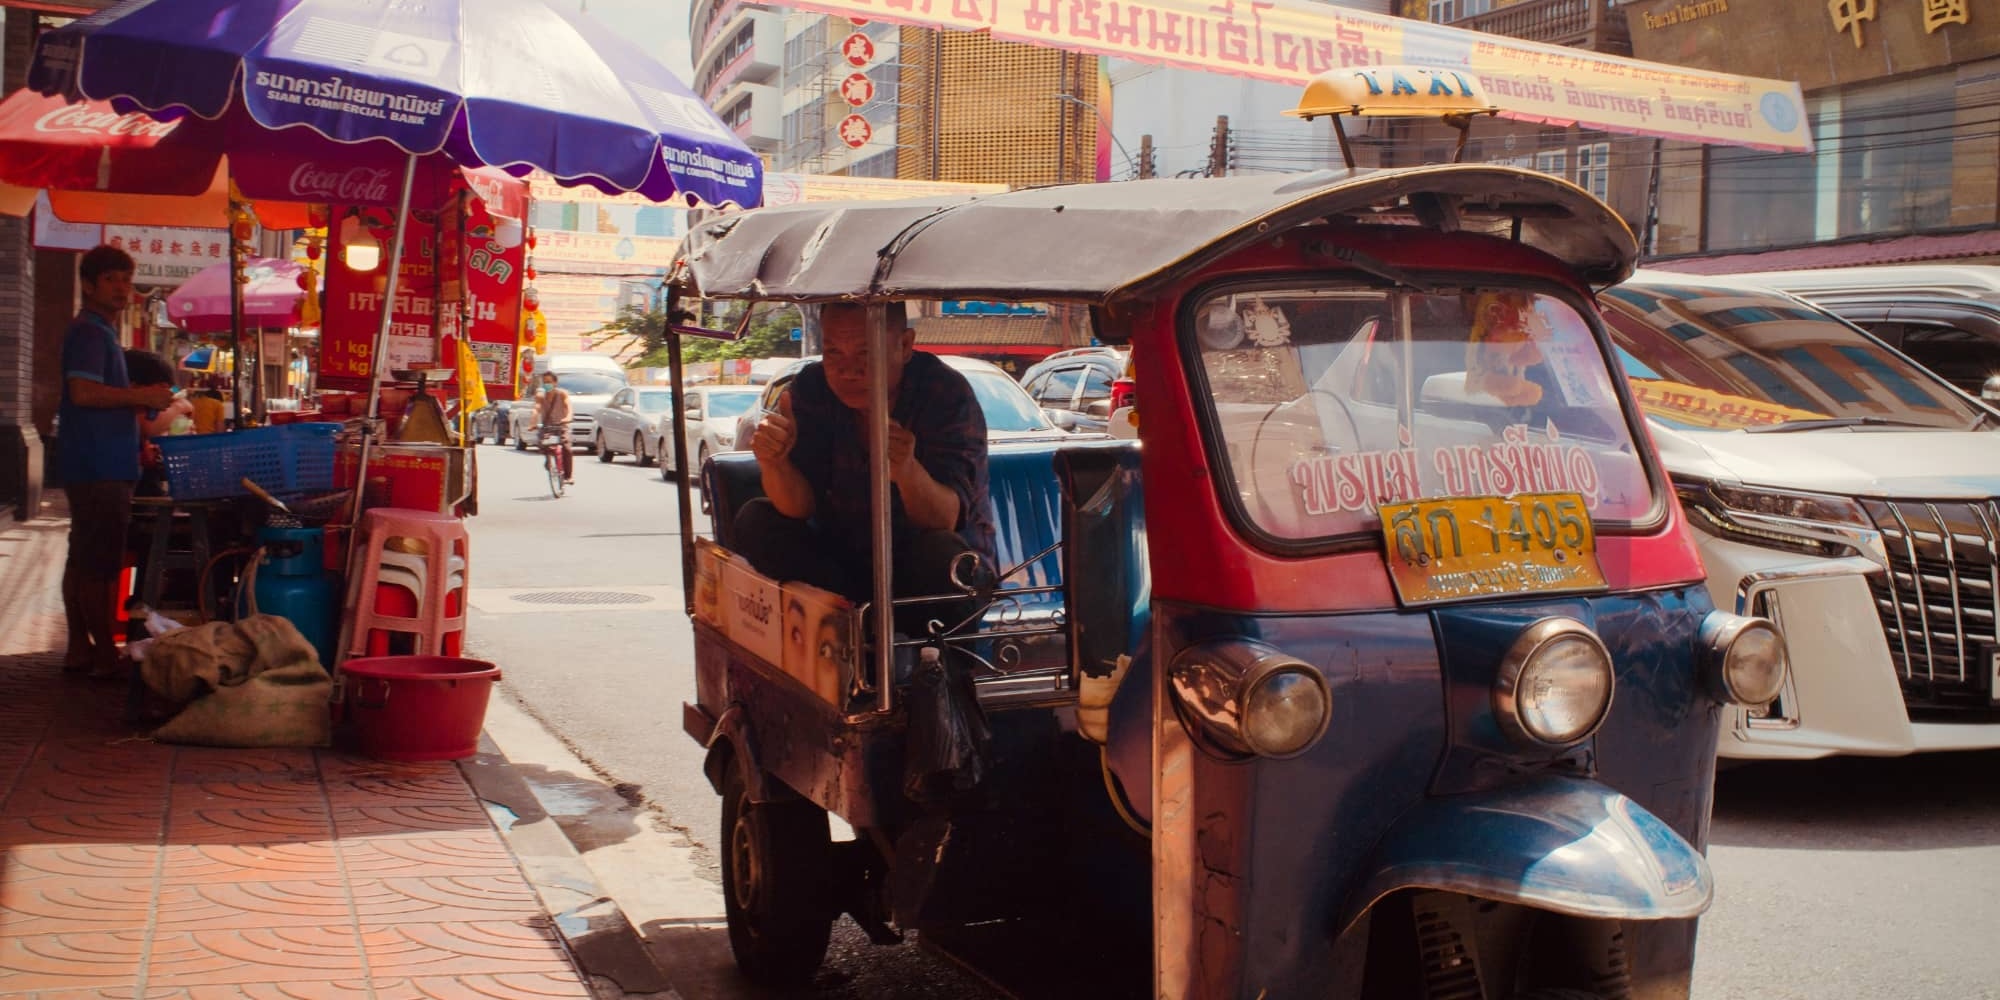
949	736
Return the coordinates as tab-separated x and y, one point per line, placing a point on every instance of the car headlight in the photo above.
1814	524
1743	658
1555	683
1990	392
1243	697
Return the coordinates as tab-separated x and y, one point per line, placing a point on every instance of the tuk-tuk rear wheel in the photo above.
775	868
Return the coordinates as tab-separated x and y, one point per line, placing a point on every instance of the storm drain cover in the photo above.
582	597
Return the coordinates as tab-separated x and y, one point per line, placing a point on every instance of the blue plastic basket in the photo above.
284	459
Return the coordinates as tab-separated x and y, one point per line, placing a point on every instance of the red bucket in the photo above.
415	707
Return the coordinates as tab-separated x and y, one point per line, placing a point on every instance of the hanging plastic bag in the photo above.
949	737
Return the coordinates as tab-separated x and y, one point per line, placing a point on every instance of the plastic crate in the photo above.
287	459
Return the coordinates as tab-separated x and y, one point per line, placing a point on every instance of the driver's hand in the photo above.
155	397
772	439
902	445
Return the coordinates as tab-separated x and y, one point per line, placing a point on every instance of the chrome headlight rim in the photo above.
1532	640
1213	683
1720	632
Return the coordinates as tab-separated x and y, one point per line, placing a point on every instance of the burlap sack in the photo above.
252	683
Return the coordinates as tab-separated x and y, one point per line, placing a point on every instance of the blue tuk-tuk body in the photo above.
1243	744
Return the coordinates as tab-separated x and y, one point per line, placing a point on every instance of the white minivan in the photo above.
1839	489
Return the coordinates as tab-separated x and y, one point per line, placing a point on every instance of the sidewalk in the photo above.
130	868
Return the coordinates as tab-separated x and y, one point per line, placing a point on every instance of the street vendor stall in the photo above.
388	143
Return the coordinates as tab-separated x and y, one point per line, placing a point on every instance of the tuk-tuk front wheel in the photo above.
775	868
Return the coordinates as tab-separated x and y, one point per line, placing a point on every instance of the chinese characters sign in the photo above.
1292	41
168	256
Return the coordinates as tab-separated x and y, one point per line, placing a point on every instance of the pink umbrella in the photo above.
201	304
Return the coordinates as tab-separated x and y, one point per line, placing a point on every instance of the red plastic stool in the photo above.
410	574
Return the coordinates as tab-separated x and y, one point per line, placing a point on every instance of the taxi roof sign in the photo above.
1385	91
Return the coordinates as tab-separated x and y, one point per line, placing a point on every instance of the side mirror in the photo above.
1063	419
1098	410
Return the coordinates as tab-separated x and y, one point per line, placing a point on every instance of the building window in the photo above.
1553	161
1447	11
880	165
1593	169
888	78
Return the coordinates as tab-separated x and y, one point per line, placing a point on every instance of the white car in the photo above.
710	413
630	422
588	390
1843	491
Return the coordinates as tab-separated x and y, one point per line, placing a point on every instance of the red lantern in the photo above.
305	280
313	250
318	216
531	274
531	239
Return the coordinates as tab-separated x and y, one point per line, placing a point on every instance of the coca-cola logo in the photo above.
94	121
365	184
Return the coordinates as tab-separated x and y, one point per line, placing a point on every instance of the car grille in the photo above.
1937	599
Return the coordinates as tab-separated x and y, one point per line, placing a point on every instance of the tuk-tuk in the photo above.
1379	665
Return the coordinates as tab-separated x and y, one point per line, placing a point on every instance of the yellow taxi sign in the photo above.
1406	91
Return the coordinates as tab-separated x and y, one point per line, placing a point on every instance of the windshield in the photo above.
1718	358
730	404
656	402
1328	401
589	383
1006	405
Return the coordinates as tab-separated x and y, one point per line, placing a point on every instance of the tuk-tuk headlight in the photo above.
1243	697
1744	658
1555	683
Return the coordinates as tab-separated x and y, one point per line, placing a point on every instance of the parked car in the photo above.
1947	318
1839	488
588	390
1011	414
490	422
629	422
1074	386
711	412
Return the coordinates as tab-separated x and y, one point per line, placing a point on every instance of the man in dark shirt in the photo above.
98	444
813	523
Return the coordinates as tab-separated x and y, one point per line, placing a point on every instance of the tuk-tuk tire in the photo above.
781	937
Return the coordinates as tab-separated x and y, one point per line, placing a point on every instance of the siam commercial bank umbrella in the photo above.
512	84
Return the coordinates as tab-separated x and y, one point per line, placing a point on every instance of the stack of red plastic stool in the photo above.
407	585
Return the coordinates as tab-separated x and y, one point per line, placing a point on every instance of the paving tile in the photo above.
249	826
226	956
464	947
414	790
276	792
61	862
88	828
130	752
191	864
59	905
104	766
507	986
107	993
336	766
430	856
79	959
241	905
444	899
41	792
229	763
407	820
338	989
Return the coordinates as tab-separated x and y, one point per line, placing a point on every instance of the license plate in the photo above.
1464	547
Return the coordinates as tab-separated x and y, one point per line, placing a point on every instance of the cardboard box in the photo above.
752	611
819	631
708	560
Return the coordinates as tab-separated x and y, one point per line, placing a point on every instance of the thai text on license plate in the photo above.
1465	547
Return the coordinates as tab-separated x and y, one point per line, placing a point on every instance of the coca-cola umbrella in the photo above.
515	84
270	297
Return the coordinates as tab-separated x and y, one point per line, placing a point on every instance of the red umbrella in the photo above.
47	142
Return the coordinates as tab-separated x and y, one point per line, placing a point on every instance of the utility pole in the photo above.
1146	156
1218	148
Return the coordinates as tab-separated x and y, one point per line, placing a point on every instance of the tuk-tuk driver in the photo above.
813	523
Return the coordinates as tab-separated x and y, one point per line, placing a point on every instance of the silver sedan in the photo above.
632	420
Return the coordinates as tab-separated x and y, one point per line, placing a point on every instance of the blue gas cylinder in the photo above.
292	582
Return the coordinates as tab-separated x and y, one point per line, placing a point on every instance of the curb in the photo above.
600	939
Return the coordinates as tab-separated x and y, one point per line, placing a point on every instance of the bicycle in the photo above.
550	440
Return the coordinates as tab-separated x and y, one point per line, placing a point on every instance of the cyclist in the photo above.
552	415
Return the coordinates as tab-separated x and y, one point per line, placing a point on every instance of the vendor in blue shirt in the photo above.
812	456
98	457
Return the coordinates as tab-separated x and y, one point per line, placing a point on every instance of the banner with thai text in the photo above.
1292	41
424	328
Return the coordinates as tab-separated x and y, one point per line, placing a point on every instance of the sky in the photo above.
658	26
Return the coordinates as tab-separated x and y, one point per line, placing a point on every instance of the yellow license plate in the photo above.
1464	547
